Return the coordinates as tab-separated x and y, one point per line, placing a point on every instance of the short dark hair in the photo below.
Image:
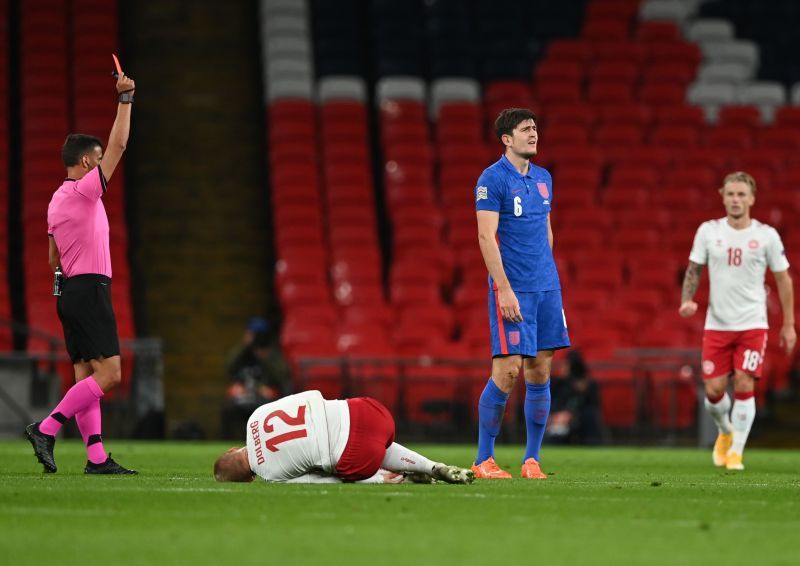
76	146
509	119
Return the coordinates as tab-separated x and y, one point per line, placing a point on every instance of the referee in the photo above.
79	248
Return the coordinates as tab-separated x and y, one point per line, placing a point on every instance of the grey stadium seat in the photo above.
735	73
288	47
340	87
400	88
764	92
710	29
711	96
295	25
671	10
736	51
279	69
794	96
453	90
283	7
766	95
290	89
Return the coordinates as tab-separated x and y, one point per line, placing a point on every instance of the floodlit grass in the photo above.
600	506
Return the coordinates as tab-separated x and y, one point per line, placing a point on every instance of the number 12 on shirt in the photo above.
298	420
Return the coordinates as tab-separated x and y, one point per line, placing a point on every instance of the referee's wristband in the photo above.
126	98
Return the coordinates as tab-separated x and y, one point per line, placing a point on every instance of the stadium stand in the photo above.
644	106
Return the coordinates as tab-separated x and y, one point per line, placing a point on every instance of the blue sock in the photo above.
537	409
491	408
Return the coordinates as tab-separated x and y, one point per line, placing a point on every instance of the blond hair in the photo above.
739	177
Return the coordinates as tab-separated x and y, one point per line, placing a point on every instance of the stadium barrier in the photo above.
32	382
647	395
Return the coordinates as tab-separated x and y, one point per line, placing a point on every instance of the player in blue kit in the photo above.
513	199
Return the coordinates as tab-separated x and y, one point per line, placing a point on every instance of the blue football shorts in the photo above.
543	326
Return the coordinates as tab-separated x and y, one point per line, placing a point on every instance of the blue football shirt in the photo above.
523	202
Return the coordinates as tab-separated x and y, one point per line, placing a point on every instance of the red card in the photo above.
116	62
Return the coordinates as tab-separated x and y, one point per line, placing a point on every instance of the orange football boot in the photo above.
532	471
489	470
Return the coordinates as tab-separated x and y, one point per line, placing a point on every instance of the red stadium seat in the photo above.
681	115
665	333
605	28
571	218
675	52
548	71
568	50
403	294
295	294
614	71
787	117
509	93
684	136
645	300
616	50
674	73
564	136
672	399
656	94
729	137
587	176
654	157
584	299
658	31
404	132
598	273
584	238
569	114
619	137
628	115
626	197
779	138
559	92
609	92
618	399
637	176
739	116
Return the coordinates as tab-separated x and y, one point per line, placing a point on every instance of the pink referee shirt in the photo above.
77	219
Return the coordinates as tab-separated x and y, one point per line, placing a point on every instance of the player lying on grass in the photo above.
305	438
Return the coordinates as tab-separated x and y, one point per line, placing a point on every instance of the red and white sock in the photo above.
400	459
719	408
89	422
79	396
742	417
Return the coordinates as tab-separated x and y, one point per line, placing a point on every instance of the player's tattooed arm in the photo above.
691	281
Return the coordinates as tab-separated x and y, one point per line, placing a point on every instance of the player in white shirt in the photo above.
737	250
305	438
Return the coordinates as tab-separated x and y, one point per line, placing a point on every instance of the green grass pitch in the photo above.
599	506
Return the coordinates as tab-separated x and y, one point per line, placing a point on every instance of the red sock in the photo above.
89	423
79	396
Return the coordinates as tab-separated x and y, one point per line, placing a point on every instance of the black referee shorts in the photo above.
86	314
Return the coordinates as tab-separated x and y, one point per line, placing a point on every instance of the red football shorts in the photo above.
728	350
371	433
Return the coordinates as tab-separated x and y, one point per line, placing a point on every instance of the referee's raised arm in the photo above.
118	138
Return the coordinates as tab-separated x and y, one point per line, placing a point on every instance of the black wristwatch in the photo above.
126	98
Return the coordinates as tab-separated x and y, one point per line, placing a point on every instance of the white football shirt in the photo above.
737	262
297	435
